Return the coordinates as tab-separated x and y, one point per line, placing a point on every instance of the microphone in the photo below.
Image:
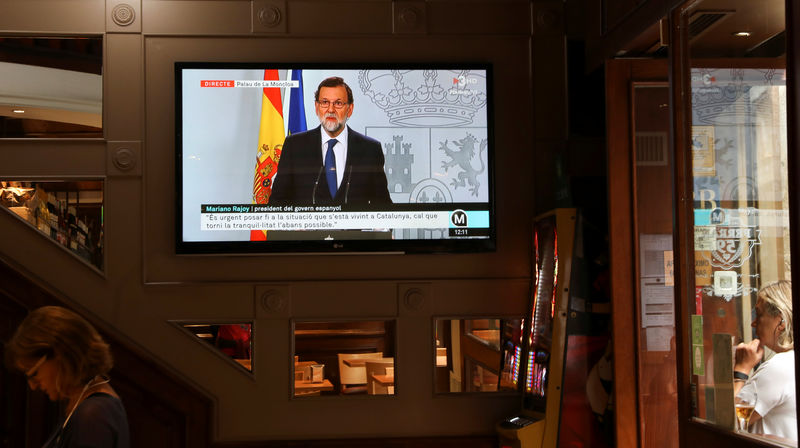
349	175
316	184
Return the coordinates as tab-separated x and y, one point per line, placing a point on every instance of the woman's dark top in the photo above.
99	421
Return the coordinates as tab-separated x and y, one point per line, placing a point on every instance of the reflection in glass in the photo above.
344	358
741	211
740	190
70	213
232	339
52	87
487	331
477	355
546	277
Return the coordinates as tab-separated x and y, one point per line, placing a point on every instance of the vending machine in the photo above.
541	354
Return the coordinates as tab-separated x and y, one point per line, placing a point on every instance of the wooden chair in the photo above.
441	357
353	380
378	367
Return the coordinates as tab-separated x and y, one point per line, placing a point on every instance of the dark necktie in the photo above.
330	167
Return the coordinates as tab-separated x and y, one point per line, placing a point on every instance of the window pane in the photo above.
234	340
52	87
70	213
477	355
344	358
741	209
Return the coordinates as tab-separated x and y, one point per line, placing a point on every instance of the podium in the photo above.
541	354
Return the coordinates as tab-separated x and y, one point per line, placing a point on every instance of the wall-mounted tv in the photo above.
313	158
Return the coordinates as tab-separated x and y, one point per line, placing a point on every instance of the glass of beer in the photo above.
745	403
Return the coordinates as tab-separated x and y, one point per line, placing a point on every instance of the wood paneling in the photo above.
620	74
620	254
391	442
146	284
615	11
163	410
626	21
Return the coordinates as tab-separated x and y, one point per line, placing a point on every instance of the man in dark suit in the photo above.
331	164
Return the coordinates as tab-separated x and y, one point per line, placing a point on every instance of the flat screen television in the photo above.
412	165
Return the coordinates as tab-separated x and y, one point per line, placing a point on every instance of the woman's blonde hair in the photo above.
777	297
62	335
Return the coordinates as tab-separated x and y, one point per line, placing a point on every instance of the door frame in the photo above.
691	432
621	75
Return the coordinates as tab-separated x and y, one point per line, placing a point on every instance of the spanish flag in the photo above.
270	142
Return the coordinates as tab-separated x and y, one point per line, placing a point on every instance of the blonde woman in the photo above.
775	411
62	355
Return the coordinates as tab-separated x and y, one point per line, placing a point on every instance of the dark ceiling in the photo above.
712	28
82	54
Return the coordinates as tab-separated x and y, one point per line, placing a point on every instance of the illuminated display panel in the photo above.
540	339
415	174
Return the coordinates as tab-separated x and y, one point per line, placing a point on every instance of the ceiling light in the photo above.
742	34
18	111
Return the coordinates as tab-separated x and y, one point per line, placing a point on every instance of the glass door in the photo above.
737	297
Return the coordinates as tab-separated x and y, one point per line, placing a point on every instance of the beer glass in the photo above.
745	403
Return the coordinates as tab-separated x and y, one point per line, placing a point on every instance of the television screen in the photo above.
312	158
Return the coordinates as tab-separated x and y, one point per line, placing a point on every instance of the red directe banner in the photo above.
216	83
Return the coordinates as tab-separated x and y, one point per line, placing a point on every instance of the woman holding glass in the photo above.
63	355
772	384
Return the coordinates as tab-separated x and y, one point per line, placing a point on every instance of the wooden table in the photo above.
246	363
308	386
384	380
357	362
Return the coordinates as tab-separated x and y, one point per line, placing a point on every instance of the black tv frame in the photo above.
339	246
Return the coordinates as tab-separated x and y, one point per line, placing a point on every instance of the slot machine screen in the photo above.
540	337
542	357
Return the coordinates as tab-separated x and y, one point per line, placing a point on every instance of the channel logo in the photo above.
705	78
458	218
463	81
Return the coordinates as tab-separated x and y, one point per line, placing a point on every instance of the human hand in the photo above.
748	355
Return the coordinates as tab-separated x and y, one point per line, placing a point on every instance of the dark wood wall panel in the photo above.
144	283
416	442
163	410
619	23
614	11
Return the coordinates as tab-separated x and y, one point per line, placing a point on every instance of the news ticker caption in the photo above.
266	83
264	217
